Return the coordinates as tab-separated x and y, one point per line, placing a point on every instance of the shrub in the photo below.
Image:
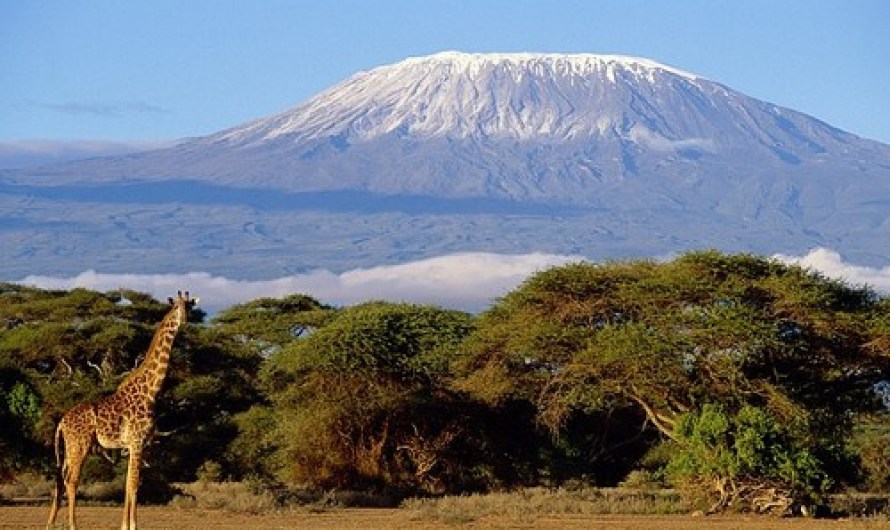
871	443
744	461
232	496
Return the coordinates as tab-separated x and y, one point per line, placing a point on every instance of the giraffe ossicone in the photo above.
123	420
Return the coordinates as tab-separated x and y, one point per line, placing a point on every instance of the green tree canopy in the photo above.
672	337
268	324
361	400
60	348
668	337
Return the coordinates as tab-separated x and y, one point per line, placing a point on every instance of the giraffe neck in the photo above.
152	370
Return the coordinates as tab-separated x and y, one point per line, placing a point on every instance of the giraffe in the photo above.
123	420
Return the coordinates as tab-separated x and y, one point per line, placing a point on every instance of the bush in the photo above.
210	471
745	461
871	443
232	496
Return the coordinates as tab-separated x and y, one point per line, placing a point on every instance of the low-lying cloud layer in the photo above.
832	265
26	153
467	281
105	109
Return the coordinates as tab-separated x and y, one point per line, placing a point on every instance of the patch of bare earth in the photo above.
164	517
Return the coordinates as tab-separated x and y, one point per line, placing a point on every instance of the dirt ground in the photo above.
162	517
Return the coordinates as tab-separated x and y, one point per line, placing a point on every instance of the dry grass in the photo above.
858	504
525	506
521	505
103	491
252	497
239	497
26	486
530	504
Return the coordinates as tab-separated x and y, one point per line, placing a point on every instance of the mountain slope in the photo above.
598	155
516	126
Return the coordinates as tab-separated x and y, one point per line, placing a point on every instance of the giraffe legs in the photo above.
54	507
57	482
76	448
132	487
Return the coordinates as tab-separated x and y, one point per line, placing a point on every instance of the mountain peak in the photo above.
521	127
578	63
459	95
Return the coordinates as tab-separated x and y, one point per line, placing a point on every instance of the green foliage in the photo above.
735	374
19	415
266	325
670	337
360	401
735	457
23	403
381	338
871	444
64	347
253	452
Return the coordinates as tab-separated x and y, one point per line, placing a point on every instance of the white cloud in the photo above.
468	281
107	109
25	153
657	142
831	264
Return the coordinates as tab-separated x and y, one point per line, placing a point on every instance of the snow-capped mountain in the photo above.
515	126
642	158
455	95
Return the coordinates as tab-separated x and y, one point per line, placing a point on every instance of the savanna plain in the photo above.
204	505
158	517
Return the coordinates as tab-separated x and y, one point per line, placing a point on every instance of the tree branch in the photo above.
664	424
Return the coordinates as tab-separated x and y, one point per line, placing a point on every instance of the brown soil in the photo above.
158	517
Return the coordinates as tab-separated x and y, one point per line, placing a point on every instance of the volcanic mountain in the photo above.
645	159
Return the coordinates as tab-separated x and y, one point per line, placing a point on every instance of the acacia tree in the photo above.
361	402
71	346
266	325
669	338
60	348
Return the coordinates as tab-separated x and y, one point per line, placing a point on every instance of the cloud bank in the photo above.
105	109
641	135
25	153
466	281
831	264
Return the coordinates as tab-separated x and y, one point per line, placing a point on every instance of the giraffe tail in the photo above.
57	446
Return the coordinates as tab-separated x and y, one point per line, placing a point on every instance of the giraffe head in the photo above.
182	304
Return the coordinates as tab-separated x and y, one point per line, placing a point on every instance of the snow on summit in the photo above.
574	63
456	94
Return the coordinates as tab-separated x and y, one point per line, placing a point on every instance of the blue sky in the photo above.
160	70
